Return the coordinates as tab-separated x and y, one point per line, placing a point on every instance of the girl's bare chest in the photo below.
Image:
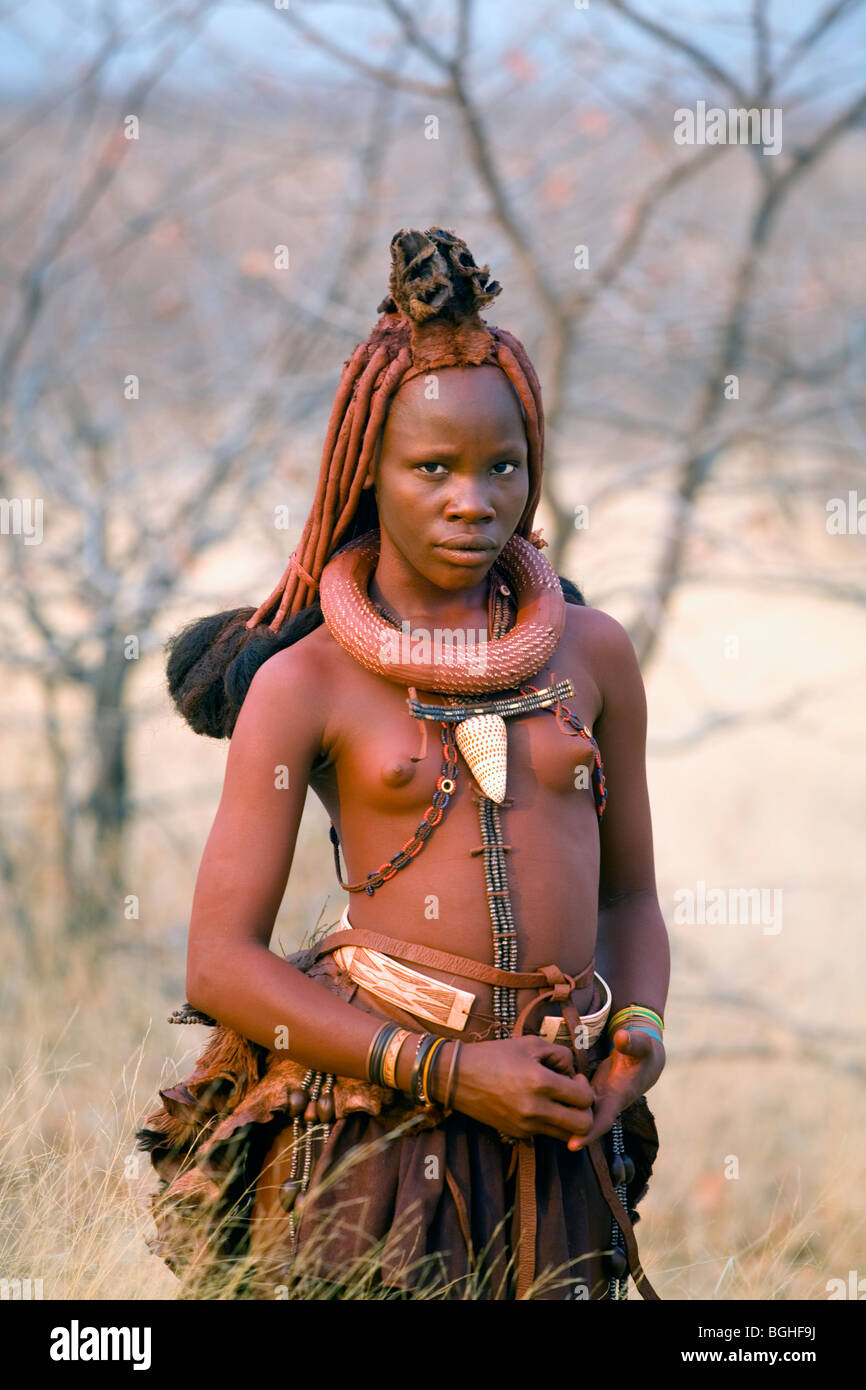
378	759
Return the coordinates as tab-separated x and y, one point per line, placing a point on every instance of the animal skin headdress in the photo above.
430	319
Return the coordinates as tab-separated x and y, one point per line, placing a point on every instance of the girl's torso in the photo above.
376	796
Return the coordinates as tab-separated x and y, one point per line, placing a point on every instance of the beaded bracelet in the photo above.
425	1043
635	1011
382	1061
648	1016
639	1009
636	1018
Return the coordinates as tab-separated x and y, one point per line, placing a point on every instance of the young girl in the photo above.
449	1089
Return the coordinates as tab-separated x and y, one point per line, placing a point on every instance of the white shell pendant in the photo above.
483	741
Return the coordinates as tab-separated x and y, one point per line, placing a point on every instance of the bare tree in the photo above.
115	267
125	521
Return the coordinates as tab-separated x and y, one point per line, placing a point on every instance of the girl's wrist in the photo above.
443	1077
637	1018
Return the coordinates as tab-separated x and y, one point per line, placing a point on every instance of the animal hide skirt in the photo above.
276	1182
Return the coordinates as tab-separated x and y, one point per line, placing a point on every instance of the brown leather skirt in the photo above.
397	1200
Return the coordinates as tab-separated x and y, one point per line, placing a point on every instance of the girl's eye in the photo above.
504	463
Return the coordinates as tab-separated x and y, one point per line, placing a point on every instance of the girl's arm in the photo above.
633	949
231	972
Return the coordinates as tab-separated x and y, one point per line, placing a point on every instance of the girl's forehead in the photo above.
455	391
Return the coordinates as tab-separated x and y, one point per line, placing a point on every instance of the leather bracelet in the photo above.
385	1036
389	1060
451	1083
436	1071
377	1052
373	1042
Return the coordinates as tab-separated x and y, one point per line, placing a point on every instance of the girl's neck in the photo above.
404	593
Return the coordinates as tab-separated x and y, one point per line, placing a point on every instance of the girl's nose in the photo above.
471	503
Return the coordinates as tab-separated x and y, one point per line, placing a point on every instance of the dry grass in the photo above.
74	1192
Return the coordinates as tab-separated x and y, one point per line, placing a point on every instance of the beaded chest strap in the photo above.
482	739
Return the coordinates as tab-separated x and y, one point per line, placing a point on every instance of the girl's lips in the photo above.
465	557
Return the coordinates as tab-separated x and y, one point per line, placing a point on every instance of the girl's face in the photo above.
450	469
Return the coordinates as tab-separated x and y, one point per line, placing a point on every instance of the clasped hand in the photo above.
525	1086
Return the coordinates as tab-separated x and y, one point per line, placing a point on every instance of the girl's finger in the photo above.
634	1042
559	1058
605	1114
570	1124
573	1091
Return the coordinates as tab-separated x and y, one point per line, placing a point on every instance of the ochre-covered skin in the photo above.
314	718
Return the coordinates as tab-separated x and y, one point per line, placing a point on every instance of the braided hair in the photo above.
429	320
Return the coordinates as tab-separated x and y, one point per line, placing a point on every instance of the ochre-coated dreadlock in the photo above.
429	320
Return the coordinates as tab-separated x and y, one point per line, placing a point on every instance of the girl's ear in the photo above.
370	479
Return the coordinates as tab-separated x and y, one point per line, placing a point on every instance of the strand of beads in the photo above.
499	899
499	904
501	917
507	705
311	1108
446	785
616	1261
562	712
599	786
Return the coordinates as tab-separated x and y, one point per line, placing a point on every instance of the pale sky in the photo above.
43	41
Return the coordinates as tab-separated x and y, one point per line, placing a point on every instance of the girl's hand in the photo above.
524	1086
635	1063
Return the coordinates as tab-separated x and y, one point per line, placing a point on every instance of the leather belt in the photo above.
444	1004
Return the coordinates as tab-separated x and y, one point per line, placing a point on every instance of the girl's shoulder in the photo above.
597	629
308	675
598	644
